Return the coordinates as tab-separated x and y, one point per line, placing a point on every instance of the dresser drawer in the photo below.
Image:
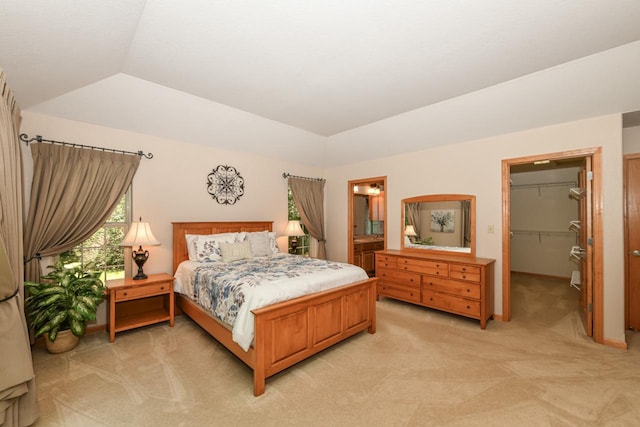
401	277
399	292
464	289
434	268
142	291
464	272
451	303
386	261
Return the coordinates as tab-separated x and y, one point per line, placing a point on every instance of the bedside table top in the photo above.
129	282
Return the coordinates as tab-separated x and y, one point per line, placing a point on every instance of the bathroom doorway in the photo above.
367	225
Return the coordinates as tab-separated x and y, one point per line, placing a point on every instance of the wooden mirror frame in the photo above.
442	198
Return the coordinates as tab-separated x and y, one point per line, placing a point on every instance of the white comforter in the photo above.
231	290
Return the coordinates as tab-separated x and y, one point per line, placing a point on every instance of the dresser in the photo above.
455	284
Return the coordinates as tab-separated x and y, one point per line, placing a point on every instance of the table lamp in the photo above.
140	234
294	230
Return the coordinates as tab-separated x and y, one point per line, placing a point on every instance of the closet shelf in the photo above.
577	252
576	192
574	225
575	280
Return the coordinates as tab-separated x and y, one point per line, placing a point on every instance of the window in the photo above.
102	251
303	241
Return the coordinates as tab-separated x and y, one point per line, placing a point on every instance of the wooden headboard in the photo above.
181	229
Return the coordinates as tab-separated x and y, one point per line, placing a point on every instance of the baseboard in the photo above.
541	275
622	345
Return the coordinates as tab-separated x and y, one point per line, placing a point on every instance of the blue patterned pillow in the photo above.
208	246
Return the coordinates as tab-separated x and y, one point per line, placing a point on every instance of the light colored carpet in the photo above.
421	368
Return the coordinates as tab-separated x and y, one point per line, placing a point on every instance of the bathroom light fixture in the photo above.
374	189
294	230
140	234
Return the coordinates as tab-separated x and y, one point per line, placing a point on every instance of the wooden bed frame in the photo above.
286	332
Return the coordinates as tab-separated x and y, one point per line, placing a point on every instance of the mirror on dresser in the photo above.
439	223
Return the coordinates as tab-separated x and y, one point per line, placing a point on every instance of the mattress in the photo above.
230	290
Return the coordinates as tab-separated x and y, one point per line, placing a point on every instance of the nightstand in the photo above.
136	303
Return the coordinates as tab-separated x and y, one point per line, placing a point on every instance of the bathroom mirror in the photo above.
442	223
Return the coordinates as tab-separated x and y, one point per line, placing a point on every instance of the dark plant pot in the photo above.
65	341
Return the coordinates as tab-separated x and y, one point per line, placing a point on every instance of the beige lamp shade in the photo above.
140	234
410	231
293	228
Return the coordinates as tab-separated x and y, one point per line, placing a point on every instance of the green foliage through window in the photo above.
102	250
303	241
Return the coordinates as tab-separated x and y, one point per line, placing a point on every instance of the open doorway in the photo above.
367	226
590	293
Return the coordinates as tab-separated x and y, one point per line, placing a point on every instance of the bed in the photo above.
286	332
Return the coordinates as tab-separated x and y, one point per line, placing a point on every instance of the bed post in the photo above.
259	369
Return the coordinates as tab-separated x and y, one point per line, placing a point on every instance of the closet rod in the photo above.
544	233
25	138
286	175
547	184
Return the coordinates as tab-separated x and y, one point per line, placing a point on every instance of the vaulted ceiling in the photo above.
323	66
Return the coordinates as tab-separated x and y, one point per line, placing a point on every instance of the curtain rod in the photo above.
286	175
25	138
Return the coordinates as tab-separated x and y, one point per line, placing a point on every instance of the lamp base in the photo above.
140	257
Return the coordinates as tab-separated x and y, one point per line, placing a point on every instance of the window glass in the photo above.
303	241
102	251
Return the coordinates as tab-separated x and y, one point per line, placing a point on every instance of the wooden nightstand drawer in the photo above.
136	303
142	291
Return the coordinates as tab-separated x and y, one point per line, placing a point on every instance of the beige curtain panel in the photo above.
308	195
18	399
74	191
413	212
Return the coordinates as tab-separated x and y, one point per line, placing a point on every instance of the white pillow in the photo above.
208	246
272	242
235	251
260	243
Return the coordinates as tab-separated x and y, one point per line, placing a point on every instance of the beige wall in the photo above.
171	186
631	140
540	213
475	168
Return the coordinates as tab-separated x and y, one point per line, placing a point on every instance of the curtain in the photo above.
74	191
18	398
413	216
308	195
466	220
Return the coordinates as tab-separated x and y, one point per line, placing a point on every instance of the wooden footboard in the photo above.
291	331
288	332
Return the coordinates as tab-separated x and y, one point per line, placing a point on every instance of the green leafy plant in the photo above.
67	298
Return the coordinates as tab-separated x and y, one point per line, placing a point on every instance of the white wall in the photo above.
631	140
547	209
474	167
172	185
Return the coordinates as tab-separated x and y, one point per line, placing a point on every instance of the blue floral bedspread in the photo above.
231	290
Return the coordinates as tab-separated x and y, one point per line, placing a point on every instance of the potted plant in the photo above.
60	306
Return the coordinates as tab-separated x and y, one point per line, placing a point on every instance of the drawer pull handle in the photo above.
464	277
430	299
468	307
125	294
468	290
162	288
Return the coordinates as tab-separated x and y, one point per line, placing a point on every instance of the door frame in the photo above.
596	211
350	184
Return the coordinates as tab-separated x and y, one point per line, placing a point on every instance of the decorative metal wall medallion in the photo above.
225	185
